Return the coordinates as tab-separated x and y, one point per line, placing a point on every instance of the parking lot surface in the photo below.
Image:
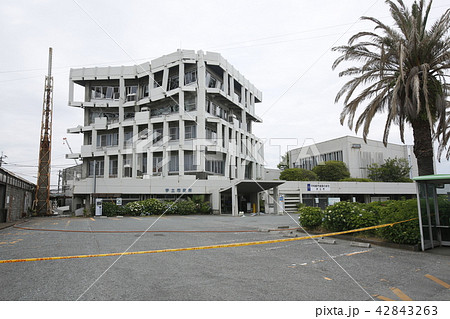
286	270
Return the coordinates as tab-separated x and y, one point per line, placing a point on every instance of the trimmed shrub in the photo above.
111	209
185	207
337	217
152	206
310	217
403	233
135	208
355	179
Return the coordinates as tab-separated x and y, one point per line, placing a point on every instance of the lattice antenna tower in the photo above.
42	201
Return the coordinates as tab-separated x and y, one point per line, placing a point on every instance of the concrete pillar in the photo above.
106	167
276	195
234	201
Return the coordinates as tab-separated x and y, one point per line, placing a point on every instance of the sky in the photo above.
282	47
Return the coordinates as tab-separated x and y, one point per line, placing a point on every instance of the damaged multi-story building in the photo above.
179	125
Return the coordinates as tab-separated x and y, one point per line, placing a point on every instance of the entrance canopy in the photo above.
250	186
433	194
248	190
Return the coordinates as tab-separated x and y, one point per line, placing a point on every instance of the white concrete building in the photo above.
354	152
180	124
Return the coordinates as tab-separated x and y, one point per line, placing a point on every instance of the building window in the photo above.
157	163
127	166
99	168
190	77
174	82
190	131
113	167
141	164
212	82
190	104
105	92
211	134
107	140
189	162
174	133
215	166
131	92
174	164
165	110
157	134
128	138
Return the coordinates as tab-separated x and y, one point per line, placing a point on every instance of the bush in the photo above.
331	171
346	216
185	207
135	208
152	206
355	179
111	209
310	217
336	217
298	174
403	233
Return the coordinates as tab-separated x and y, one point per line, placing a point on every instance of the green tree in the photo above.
403	74
393	170
331	171
284	164
298	174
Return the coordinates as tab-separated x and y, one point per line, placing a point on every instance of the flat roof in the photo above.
438	178
253	186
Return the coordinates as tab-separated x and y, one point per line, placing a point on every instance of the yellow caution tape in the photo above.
203	247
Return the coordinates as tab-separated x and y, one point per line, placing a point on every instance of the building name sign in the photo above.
318	187
178	190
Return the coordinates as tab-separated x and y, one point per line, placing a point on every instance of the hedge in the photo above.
344	216
155	206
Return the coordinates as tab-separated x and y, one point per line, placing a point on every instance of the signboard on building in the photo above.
318	187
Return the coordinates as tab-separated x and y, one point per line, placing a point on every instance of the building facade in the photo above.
354	152
16	196
180	124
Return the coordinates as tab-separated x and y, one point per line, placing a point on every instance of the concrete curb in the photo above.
369	241
10	224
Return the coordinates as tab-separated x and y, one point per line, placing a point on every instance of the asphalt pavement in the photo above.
284	270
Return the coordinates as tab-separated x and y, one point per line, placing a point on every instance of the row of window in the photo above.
312	161
97	167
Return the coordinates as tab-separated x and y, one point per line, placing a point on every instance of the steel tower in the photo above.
42	201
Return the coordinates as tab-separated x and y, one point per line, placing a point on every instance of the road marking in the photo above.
92	219
68	222
383	298
326	278
400	294
136	218
437	280
357	252
199	247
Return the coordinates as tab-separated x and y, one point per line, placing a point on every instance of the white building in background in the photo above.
354	152
178	125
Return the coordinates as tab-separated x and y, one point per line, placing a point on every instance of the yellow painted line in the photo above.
384	298
200	247
357	252
326	278
92	219
401	294
136	218
437	280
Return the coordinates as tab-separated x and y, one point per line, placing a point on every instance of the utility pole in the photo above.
42	200
1	159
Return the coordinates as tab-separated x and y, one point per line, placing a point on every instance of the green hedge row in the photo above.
347	216
155	206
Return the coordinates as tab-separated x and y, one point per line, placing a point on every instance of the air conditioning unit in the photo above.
145	109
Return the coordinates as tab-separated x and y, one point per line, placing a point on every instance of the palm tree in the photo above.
403	73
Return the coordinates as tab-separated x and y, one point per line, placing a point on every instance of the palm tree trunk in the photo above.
423	146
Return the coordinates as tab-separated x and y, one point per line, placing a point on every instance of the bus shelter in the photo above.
433	201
